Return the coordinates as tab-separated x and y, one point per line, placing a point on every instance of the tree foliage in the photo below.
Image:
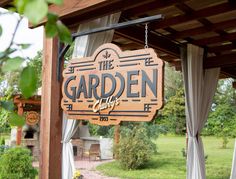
222	118
24	77
172	117
17	163
135	147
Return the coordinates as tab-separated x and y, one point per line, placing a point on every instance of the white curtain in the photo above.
84	46
200	86
233	170
69	128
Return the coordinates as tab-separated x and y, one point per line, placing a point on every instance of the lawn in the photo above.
170	164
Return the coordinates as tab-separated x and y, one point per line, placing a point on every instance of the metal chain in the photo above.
146	36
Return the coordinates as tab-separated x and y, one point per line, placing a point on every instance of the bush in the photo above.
17	163
135	148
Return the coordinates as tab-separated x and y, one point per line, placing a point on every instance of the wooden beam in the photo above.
229	72
221	48
27	101
228	60
234	84
204	29
51	114
20	112
74	12
222	61
112	7
206	12
136	34
157	4
216	39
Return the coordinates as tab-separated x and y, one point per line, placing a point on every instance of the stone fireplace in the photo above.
30	139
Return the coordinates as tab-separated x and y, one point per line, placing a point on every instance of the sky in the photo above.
23	35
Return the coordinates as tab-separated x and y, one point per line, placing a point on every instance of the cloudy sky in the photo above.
23	35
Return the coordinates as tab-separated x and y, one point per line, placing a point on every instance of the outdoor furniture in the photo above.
95	151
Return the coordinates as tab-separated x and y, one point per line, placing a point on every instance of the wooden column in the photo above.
117	134
19	129
51	114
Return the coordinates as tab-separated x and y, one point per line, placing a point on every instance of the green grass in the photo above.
170	164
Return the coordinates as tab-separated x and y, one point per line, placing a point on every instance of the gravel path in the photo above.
87	169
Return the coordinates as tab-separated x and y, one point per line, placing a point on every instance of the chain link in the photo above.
146	36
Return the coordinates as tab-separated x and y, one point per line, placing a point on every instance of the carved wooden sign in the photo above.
113	86
32	118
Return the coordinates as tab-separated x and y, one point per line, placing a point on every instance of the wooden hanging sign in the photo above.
113	86
32	118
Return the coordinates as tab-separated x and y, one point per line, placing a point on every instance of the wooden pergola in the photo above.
210	24
25	105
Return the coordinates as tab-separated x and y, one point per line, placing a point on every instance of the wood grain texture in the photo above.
135	97
51	115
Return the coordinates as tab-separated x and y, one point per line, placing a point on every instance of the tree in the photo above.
172	117
222	118
35	11
173	113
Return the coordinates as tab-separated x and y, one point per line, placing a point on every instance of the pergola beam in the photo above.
222	61
221	48
204	29
206	12
75	12
216	39
136	34
234	84
228	60
157	4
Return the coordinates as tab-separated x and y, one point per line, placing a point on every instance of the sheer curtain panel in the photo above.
200	86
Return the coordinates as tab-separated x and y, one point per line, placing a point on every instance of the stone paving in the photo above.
87	169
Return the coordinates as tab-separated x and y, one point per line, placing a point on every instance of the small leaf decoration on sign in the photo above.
64	33
28	81
12	64
107	55
16	120
36	10
8	105
55	1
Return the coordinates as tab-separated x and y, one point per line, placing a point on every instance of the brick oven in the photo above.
30	139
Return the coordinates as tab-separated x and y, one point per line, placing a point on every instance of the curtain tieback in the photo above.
194	137
66	141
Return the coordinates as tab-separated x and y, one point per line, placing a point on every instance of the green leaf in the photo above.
0	30
8	105
24	46
16	120
64	33
52	18
28	81
51	29
12	64
36	10
20	5
55	1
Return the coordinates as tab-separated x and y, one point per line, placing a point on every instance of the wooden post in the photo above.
116	137
51	114
19	129
117	134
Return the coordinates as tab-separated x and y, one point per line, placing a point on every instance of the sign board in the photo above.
113	86
32	118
